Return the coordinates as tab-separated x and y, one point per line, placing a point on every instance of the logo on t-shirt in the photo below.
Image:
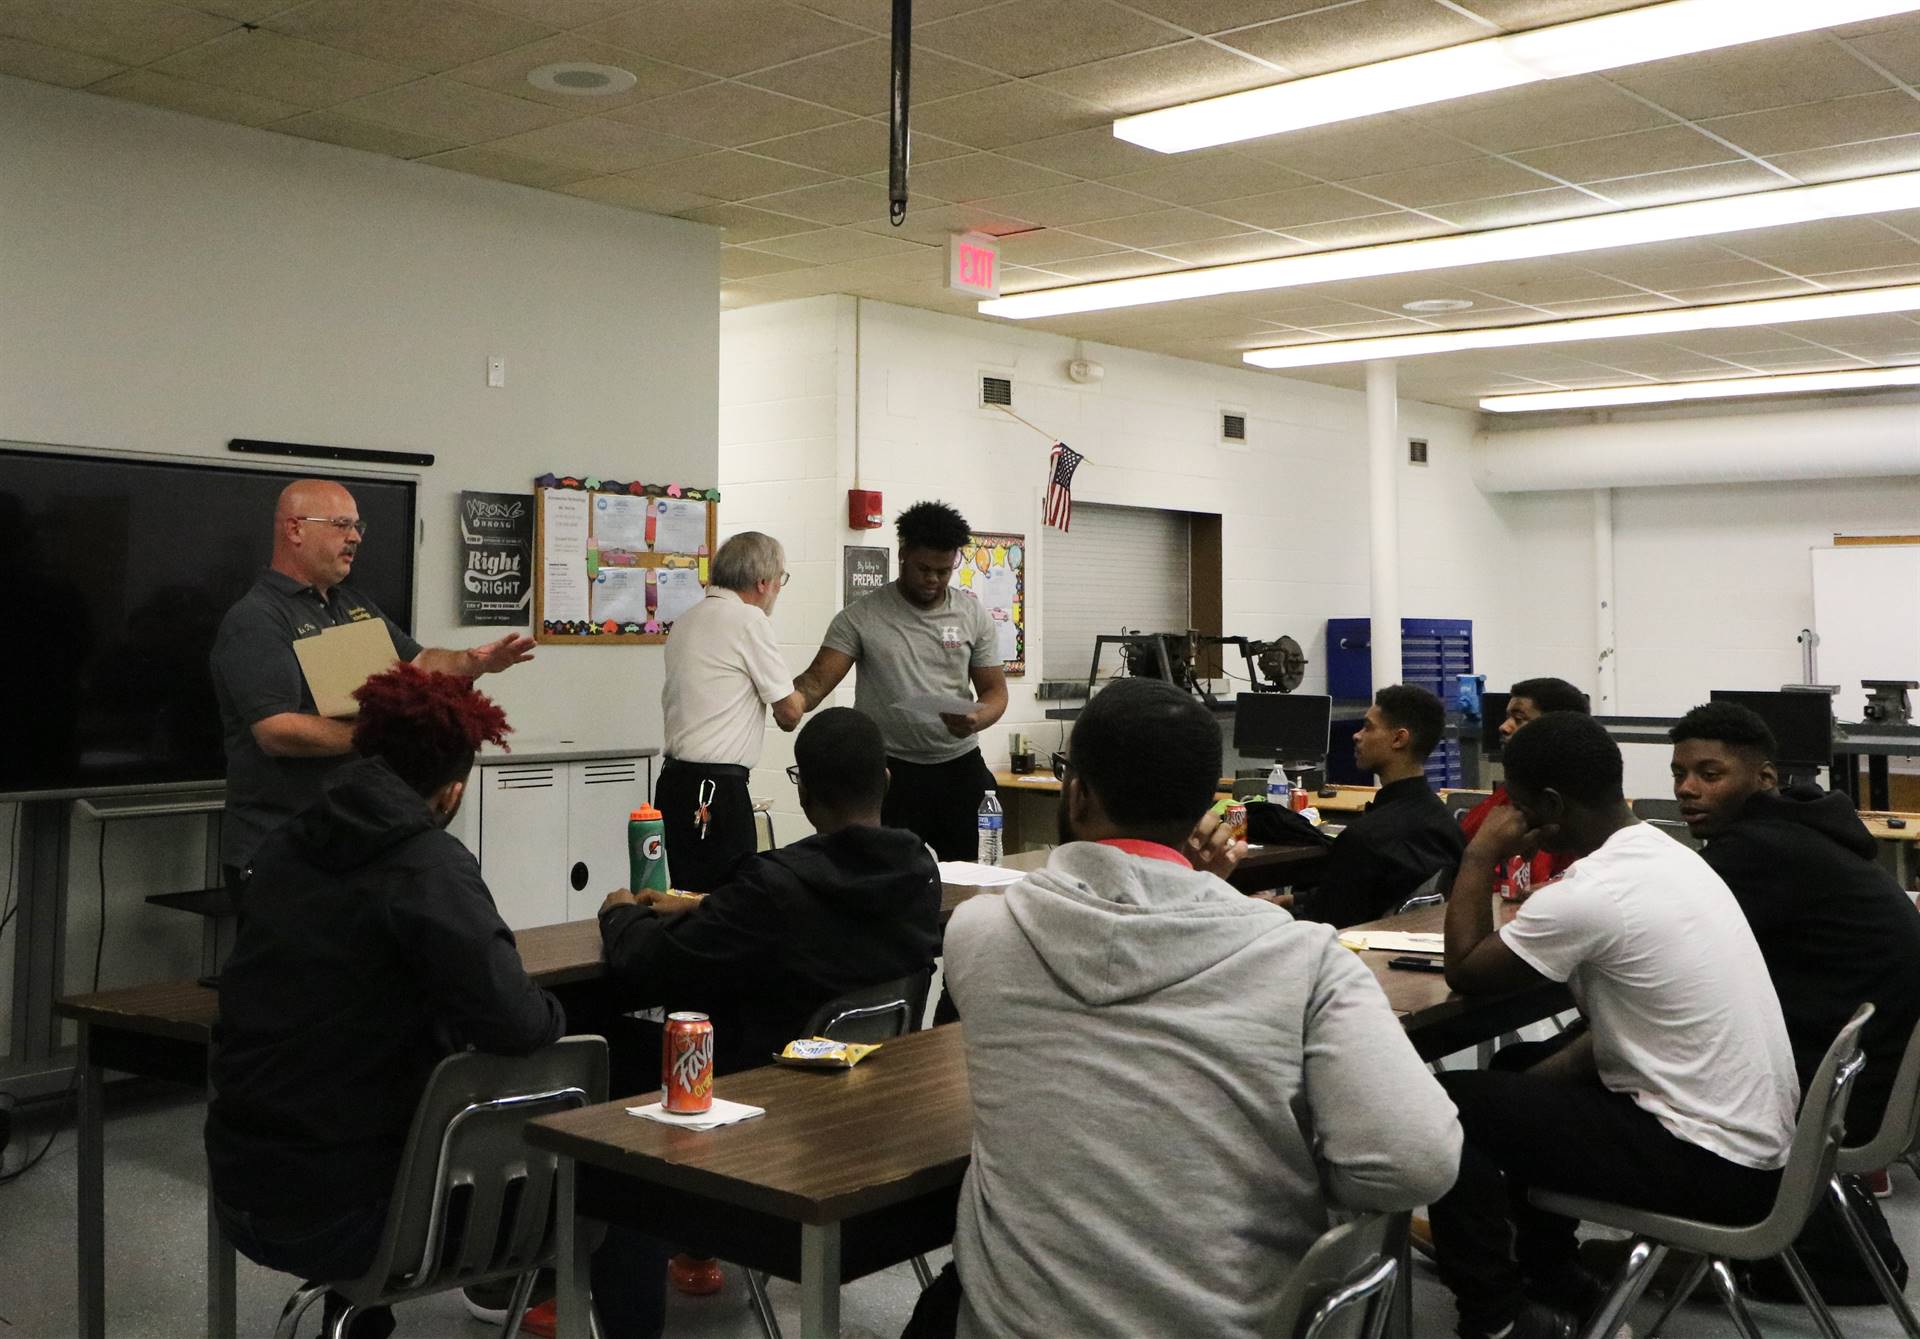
950	636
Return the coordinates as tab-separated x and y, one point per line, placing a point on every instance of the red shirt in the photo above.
1521	875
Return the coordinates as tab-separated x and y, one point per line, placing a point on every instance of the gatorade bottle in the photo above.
647	851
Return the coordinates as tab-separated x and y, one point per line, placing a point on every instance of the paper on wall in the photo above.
678	590
620	594
679	526
563	592
619	521
563	526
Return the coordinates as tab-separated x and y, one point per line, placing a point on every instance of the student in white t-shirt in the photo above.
1678	1095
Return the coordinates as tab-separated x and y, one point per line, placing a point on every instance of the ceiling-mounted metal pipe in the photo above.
899	141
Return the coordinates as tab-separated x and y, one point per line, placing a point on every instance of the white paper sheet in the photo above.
968	874
679	526
1395	941
620	594
564	591
723	1112
619	522
563	526
679	590
931	706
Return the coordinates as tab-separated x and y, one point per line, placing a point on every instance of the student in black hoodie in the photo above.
1833	926
369	949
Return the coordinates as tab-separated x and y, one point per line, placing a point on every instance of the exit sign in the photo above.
973	264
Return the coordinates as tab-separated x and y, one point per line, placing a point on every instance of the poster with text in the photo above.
993	569
496	558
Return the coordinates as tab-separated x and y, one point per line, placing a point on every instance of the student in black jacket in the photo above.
1406	835
1833	925
369	949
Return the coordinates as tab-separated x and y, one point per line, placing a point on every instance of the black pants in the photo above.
327	1249
937	1314
939	802
700	862
1525	1130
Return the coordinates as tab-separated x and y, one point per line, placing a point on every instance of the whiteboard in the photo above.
1866	609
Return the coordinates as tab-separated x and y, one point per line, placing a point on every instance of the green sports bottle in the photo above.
647	851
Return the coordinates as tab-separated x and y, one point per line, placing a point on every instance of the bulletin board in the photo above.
993	567
616	563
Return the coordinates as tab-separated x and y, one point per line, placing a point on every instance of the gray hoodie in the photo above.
1176	1088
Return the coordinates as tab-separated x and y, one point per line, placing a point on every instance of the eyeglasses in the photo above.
1061	766
785	577
793	774
353	523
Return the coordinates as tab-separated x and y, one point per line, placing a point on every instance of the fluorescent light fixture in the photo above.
1632	37
1558	237
1796	383
1721	316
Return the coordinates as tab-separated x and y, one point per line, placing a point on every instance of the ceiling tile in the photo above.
1507	211
1815	248
1360	33
991	118
1208	175
366	136
853	148
597	145
1693	183
738	262
51	65
425	35
1820	125
1896	49
933	224
286	69
744	224
1779	287
1093	154
246	11
627	193
831	245
1398	226
563	13
1629	155
1044	246
1358	148
183	95
460	111
1063	206
131	32
1472	179
729	114
727	175
1029	39
1162	77
1779	73
487	161
1519	14
1899	153
855	78
507	73
724	36
1869	278
1555	112
1218	16
1229	250
980	176
878	14
1281	210
835	202
1162	227
1115	265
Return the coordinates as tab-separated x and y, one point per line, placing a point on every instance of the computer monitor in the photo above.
1493	714
1802	724
1290	727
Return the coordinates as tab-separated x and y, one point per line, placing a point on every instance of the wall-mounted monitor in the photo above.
1289	727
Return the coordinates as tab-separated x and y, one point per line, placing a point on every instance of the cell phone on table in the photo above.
1417	962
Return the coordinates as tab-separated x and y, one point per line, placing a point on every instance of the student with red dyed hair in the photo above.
369	948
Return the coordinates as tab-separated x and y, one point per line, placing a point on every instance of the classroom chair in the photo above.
1665	815
1343	1287
473	1202
1428	894
1809	1169
872	1014
1896	1139
1460	803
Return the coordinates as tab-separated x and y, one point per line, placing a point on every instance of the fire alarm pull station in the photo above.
864	511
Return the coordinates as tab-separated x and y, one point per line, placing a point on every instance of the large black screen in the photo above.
114	575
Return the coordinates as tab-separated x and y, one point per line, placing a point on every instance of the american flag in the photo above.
1060	485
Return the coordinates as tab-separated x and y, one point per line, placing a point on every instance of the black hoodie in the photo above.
369	950
1834	927
790	930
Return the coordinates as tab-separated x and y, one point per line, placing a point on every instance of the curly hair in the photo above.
1551	695
426	726
932	525
1739	728
1567	752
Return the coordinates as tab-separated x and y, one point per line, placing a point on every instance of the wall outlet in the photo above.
496	371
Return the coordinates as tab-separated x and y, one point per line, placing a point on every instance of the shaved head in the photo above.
307	546
314	497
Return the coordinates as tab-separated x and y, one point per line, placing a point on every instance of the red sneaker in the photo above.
695	1276
540	1320
1879	1183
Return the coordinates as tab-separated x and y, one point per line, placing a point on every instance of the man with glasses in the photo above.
918	638
279	748
724	670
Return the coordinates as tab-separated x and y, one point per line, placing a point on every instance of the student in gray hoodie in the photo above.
1176	1088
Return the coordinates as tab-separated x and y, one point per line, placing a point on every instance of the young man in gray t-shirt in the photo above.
916	637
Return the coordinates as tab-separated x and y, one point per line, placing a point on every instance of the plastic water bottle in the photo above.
647	851
1279	789
992	819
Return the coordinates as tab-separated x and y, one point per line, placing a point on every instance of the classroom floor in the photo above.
155	1255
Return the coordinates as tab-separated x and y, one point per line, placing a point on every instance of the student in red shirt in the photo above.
1529	700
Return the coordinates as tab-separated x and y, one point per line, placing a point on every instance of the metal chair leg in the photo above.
923	1272
1688	1284
296	1307
1888	1285
1810	1294
1735	1304
762	1305
338	1330
517	1304
1642	1260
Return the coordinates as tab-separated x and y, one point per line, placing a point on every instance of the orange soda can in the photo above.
1236	820
686	1064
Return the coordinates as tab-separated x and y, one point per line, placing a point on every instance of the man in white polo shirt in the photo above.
723	671
1677	1096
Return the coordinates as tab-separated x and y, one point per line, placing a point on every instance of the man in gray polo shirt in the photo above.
279	749
914	637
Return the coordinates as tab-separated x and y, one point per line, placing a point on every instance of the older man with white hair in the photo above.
723	671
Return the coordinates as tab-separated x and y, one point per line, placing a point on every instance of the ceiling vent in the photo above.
1416	450
1233	426
995	391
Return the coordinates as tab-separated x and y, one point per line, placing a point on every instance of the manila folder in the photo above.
342	658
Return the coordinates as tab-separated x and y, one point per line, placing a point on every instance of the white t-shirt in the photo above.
1657	953
723	667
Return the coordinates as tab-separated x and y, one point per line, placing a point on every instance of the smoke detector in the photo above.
1433	306
583	79
1085	371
